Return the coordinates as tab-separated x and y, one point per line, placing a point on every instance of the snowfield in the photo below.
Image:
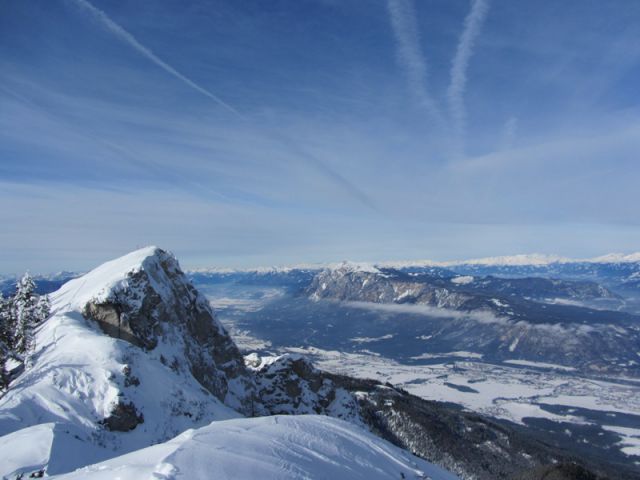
277	447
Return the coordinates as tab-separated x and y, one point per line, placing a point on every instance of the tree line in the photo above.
20	314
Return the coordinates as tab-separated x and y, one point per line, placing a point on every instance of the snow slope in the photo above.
277	447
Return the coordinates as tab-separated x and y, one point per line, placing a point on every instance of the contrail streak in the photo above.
318	163
455	93
410	56
125	36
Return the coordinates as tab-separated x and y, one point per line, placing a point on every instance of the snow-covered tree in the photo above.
5	320
5	340
19	315
25	312
43	308
4	374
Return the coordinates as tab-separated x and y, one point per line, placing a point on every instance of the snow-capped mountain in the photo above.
534	319
530	259
105	392
447	289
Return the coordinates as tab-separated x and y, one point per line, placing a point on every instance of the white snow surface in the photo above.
463	280
99	282
527	363
277	447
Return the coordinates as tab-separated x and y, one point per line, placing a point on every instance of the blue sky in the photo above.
269	132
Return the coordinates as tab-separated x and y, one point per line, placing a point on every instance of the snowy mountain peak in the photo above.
96	284
617	258
131	355
349	266
146	299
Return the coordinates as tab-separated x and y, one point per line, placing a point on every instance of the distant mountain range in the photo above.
533	259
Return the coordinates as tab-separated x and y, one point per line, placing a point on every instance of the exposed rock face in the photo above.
289	384
124	417
376	286
451	292
155	303
565	471
502	319
110	320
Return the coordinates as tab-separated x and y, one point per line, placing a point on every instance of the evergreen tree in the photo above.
25	312
5	320
4	374
19	315
5	341
43	308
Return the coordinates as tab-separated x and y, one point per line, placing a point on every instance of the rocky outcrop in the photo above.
154	303
386	286
290	384
111	321
462	293
123	418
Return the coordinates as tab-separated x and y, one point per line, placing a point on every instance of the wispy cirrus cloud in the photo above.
288	143
459	66
126	37
410	56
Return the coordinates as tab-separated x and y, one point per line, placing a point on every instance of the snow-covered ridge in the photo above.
534	259
278	447
515	260
310	267
348	266
99	283
617	258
